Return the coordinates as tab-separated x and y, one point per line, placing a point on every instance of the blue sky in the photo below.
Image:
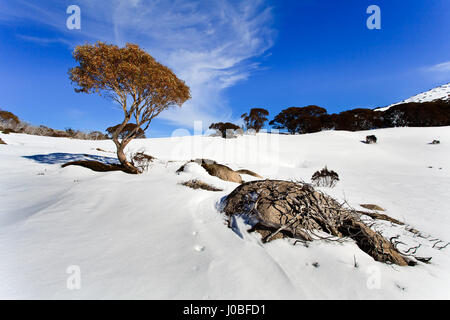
233	54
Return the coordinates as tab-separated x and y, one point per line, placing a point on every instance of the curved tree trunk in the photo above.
128	167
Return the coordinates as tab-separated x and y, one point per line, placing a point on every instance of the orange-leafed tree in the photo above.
255	119
131	77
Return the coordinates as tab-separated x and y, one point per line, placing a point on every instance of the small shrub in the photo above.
8	131
141	161
8	119
325	178
371	139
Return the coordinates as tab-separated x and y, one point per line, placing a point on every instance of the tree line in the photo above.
10	123
310	119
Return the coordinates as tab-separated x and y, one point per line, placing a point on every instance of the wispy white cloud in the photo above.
45	41
208	43
211	44
440	67
439	72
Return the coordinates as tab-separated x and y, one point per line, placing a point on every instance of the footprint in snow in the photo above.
199	248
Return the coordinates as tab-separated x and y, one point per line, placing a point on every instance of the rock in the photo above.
215	169
2	142
222	172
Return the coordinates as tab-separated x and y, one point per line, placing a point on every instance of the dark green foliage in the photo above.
371	139
425	114
255	119
313	119
358	119
301	120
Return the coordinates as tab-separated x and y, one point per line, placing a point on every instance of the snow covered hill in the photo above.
438	93
147	236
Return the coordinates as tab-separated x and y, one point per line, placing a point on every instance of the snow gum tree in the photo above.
132	78
255	119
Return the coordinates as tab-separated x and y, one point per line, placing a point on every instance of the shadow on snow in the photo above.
61	158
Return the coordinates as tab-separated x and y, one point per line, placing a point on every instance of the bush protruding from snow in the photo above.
371	139
141	161
325	178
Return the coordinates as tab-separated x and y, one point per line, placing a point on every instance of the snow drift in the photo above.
148	236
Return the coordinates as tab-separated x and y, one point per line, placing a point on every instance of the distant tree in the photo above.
6	116
301	120
226	129
134	79
127	130
9	120
96	135
255	119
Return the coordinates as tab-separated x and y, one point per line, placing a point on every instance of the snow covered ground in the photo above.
147	236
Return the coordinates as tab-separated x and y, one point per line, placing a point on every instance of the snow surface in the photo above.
438	93
147	236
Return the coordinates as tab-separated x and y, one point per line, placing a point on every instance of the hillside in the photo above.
147	236
438	93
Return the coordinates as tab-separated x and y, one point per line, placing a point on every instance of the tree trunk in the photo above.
128	167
